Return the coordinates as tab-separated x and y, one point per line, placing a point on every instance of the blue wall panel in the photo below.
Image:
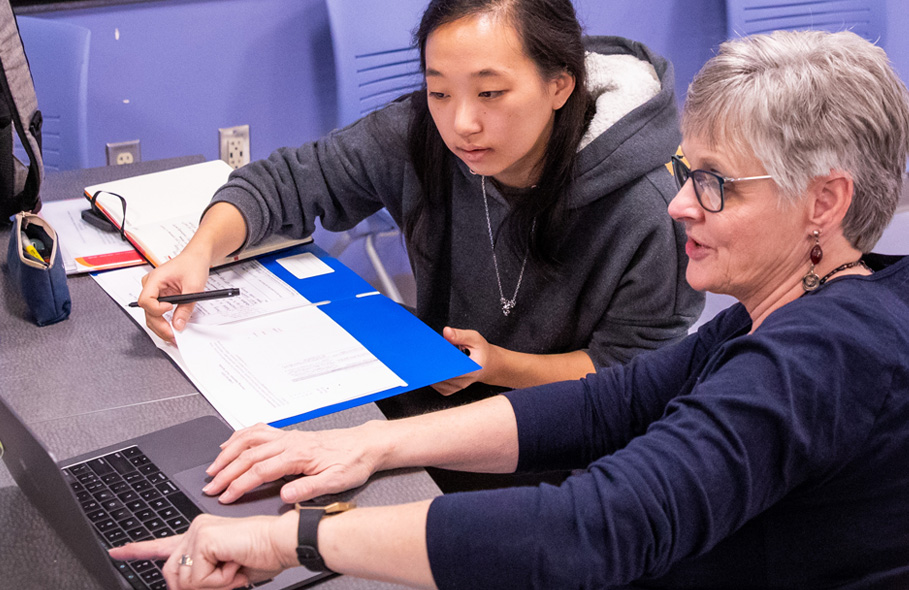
170	73
897	38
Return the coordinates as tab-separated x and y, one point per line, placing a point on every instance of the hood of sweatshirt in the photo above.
635	128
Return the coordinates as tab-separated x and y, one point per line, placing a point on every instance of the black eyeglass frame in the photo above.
682	173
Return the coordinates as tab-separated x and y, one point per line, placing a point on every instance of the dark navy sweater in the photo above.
778	459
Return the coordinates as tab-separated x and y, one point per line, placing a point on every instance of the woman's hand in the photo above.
481	352
508	368
184	273
224	552
221	231
331	461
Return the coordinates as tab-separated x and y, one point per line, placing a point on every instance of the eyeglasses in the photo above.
708	187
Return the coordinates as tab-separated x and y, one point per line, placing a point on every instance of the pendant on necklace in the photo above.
507	305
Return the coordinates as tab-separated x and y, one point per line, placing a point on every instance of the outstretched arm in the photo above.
386	543
477	437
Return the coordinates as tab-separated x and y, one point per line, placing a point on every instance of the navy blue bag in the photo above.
36	269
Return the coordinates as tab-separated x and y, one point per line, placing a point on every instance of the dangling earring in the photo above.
810	281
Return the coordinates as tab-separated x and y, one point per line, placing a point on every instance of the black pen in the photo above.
193	297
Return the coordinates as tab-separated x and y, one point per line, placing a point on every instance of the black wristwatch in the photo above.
308	532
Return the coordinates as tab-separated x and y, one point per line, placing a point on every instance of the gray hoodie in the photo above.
621	288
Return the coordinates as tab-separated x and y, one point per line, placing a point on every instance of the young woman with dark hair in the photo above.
529	177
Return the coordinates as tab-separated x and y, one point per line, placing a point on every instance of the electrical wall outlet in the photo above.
234	145
124	152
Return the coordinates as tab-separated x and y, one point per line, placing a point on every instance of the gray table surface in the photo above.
96	379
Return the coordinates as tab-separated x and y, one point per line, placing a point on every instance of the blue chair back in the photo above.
374	60
57	55
375	63
866	18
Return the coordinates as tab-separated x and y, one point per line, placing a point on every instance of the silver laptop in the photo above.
144	488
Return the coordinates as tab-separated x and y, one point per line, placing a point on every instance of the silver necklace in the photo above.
507	304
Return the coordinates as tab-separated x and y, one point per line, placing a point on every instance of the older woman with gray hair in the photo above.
769	449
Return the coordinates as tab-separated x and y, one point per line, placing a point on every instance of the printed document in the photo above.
265	355
271	367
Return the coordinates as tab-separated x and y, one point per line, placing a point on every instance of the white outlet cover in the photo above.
234	145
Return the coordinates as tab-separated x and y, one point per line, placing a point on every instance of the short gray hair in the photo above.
806	103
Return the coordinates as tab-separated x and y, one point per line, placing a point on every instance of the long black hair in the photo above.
551	37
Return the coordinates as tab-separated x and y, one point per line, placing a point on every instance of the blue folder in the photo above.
414	351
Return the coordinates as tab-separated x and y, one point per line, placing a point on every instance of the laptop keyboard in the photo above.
127	498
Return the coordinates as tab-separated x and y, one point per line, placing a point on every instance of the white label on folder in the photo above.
305	265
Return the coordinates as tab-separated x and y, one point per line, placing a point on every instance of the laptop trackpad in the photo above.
264	500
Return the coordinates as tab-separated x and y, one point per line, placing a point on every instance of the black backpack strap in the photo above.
19	184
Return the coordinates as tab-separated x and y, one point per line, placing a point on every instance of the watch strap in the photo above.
308	540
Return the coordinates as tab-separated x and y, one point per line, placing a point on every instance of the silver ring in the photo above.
186	560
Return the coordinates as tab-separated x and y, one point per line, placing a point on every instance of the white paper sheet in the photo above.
265	355
124	285
261	293
79	240
281	365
